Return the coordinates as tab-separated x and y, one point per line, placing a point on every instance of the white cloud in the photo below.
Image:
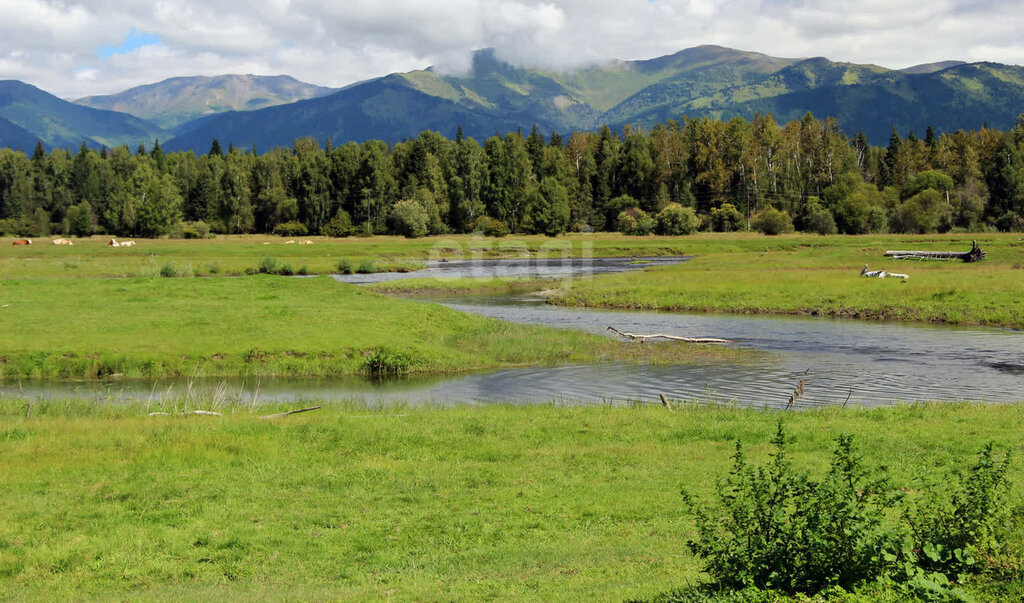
54	44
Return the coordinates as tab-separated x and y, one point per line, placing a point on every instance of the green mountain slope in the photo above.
873	100
389	109
59	123
15	137
496	97
706	81
177	100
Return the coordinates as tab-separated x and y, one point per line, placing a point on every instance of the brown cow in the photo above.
22	242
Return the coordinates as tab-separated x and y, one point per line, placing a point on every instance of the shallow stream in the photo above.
841	361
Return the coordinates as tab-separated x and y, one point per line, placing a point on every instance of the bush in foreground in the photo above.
778	530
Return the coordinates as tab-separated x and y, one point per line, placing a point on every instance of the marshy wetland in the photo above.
417	478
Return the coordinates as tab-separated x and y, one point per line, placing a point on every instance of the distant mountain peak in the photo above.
177	100
927	68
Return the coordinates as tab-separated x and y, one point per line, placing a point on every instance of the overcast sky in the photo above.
78	47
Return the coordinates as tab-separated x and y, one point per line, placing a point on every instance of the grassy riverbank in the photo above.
272	325
492	502
820	276
797	275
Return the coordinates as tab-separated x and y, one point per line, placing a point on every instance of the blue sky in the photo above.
132	41
79	47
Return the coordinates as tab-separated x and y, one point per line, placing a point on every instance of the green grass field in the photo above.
270	325
227	255
463	503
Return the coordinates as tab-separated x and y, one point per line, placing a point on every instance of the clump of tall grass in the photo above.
171	270
345	266
271	266
366	266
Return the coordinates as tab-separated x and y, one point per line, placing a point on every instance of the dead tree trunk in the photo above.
643	338
974	255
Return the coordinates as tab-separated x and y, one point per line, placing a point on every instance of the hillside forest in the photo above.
676	178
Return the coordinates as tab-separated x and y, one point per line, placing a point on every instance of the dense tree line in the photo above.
675	178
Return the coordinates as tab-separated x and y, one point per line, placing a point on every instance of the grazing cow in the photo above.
21	242
113	243
289	242
306	242
127	243
62	242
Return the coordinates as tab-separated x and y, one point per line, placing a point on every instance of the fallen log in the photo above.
290	412
881	273
976	254
643	338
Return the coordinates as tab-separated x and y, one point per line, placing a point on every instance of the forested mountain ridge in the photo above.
497	97
59	123
175	101
706	81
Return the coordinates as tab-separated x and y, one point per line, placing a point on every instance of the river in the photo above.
842	362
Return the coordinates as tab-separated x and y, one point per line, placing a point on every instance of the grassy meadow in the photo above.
233	255
426	503
272	326
431	502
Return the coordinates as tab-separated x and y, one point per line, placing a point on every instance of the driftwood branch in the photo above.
881	273
290	412
974	255
664	402
642	338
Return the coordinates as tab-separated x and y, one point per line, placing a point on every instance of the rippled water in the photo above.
841	361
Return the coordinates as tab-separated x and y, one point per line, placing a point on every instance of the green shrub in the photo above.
8	226
1010	222
285	270
773	222
820	220
268	266
408	218
634	221
339	226
345	266
925	212
366	266
386	361
726	218
291	229
195	230
489	227
962	521
777	529
169	270
303	271
28	229
677	220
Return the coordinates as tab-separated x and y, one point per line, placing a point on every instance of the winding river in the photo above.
842	362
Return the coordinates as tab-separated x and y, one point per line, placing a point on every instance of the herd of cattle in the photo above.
62	241
116	243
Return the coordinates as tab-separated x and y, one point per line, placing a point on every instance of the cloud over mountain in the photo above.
80	47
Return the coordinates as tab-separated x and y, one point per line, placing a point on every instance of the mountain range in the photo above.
178	100
496	97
